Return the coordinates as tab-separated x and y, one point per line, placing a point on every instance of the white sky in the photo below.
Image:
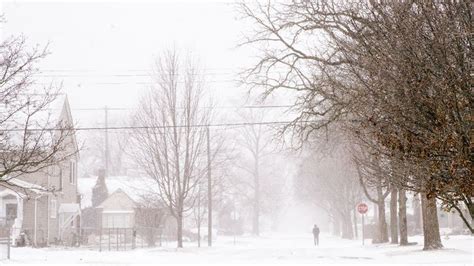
103	51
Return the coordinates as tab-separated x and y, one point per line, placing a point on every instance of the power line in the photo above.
147	75
133	73
137	74
84	70
102	109
220	129
137	82
241	124
205	107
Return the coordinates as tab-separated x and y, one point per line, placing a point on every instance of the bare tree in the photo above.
93	154
328	179
199	212
379	172
32	138
400	69
171	146
255	141
374	180
151	217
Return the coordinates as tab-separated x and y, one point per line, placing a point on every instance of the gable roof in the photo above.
66	115
135	187
52	115
118	200
21	187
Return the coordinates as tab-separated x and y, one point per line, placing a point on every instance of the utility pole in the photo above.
209	191
106	141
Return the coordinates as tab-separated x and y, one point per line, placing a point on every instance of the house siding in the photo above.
118	205
47	228
41	220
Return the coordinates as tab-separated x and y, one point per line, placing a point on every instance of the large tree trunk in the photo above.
432	239
255	224
417	214
179	220
402	217
393	216
376	212
382	230
382	224
470	207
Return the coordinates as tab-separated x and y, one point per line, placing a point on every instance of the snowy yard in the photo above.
276	248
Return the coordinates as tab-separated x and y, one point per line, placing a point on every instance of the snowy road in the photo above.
267	249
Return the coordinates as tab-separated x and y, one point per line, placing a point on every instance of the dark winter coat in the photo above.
316	231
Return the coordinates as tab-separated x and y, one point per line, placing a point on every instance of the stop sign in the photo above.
362	208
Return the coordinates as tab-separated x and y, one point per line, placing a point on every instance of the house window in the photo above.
11	211
72	170
53	208
117	220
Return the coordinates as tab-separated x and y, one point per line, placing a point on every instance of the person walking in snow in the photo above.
316	235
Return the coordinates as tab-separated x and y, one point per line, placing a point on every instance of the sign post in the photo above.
362	208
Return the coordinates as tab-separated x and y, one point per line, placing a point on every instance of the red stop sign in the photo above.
362	208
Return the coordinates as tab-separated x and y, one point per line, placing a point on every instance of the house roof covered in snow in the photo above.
135	187
20	186
118	201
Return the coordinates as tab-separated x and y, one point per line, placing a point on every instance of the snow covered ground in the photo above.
269	249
